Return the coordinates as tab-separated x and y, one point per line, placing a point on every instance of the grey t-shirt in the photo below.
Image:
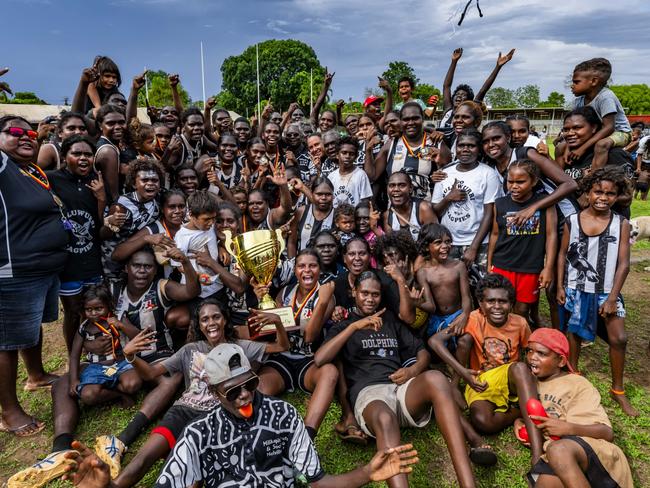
605	103
189	360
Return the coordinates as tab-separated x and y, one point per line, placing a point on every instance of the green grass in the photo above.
434	470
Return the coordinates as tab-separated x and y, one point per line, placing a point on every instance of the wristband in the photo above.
126	358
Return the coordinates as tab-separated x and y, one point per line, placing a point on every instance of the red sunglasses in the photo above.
20	132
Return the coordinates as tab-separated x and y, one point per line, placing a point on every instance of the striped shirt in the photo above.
225	451
591	261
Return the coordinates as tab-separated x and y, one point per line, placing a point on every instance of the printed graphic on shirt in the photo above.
577	255
197	395
82	230
528	228
458	212
495	353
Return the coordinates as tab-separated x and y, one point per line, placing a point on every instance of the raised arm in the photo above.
191	288
447	102
321	98
280	214
132	103
174	80
501	61
88	76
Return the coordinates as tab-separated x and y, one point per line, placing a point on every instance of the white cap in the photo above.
224	362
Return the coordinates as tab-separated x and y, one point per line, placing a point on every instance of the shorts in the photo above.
23	309
293	371
642	187
478	269
173	423
498	391
441	322
526	284
392	395
107	375
72	288
620	138
583	309
595	473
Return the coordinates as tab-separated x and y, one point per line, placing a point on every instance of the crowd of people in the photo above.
413	264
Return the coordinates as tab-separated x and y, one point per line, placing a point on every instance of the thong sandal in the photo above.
37	386
23	430
483	455
352	434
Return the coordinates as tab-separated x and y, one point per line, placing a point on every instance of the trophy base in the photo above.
286	316
267	303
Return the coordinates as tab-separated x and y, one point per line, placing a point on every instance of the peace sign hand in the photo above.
97	187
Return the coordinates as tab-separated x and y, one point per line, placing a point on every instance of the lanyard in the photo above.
39	176
424	140
296	314
111	331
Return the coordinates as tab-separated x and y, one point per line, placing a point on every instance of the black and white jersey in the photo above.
591	261
228	452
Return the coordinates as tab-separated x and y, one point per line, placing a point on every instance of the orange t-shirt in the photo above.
494	346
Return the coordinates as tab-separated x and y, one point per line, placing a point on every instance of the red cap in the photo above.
553	339
372	99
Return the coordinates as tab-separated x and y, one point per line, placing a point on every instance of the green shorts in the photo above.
621	139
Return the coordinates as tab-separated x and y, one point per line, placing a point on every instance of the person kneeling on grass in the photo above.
385	367
584	455
495	338
249	439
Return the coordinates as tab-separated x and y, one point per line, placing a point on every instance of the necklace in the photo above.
408	146
111	331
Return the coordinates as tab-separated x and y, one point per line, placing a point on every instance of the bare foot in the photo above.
624	403
126	401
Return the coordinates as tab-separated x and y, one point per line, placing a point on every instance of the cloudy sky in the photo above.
48	42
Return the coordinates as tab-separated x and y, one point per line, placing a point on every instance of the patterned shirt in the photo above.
225	451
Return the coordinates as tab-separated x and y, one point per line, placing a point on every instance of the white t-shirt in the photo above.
350	188
482	185
188	240
532	141
643	149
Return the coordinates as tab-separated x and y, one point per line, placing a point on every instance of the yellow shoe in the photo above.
110	450
42	472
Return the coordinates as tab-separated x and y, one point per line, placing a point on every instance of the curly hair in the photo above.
194	333
493	281
72	140
466	88
402	240
139	132
143	164
428	234
608	173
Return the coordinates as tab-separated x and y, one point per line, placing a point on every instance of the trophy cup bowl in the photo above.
258	254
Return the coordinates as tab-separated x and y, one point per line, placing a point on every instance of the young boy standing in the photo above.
351	185
447	297
584	455
495	340
589	86
593	263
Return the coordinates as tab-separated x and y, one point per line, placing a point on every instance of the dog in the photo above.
640	228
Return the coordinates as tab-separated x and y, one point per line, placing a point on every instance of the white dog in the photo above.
640	228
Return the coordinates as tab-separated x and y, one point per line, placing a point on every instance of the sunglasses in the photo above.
20	132
233	393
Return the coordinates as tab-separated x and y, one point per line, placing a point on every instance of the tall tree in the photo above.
160	93
634	98
555	99
499	97
284	64
527	96
23	98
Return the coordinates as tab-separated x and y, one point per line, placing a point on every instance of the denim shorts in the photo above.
23	309
72	288
100	374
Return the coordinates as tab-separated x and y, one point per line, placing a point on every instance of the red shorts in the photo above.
526	284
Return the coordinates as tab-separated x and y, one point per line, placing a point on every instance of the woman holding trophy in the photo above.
311	304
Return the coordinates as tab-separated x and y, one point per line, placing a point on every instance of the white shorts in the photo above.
392	395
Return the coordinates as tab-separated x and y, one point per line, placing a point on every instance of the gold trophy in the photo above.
257	253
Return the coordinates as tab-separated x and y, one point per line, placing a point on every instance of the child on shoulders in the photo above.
589	85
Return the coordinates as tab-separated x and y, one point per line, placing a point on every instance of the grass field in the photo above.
434	470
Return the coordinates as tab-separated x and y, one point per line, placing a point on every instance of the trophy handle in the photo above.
228	243
281	244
